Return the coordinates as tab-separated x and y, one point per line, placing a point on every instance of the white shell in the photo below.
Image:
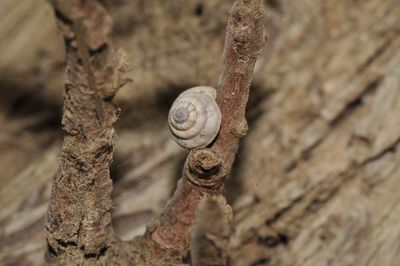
194	118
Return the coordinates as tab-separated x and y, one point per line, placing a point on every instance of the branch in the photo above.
78	218
210	235
206	170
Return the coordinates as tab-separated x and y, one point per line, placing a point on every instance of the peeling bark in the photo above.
79	215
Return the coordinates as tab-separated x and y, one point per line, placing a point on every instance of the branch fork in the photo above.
78	226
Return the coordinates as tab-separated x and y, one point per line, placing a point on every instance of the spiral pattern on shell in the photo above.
194	118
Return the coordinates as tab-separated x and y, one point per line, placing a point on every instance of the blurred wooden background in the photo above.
317	179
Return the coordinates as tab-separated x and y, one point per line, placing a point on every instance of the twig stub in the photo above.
203	168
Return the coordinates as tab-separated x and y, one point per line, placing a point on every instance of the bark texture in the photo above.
316	180
79	216
206	169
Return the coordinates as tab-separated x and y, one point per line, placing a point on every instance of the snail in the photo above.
194	118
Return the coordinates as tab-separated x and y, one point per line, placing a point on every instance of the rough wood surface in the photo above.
206	170
317	178
78	225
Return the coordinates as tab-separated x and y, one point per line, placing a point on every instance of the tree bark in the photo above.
207	169
78	225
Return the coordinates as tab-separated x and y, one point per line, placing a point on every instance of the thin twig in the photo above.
206	169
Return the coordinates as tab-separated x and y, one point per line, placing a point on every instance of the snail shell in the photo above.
195	118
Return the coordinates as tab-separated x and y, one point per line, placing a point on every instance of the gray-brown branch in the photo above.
78	220
206	169
210	235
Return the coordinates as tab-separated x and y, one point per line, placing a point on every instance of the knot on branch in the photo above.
241	129
203	168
